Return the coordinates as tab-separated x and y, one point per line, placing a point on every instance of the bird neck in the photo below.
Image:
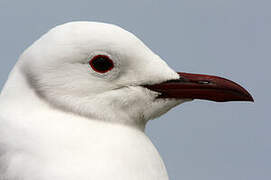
17	85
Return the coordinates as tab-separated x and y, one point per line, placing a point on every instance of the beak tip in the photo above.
246	95
250	98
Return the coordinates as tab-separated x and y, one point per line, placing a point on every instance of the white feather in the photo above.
61	120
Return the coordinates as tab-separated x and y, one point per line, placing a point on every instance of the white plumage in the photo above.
59	119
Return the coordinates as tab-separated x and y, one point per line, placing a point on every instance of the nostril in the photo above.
203	82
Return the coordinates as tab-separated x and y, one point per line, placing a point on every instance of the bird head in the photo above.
103	72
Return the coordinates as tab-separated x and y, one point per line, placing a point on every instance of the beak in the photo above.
198	86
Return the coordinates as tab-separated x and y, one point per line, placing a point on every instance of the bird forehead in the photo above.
93	33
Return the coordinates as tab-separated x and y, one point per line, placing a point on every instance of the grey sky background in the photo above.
230	38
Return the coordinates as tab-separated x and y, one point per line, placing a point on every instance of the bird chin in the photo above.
161	106
154	106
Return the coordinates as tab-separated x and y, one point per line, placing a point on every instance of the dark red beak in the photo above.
198	86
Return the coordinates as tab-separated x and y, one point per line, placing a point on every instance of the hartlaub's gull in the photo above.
77	101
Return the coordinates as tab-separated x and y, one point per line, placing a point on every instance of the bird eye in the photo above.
101	63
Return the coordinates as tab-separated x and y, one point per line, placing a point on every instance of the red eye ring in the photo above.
101	63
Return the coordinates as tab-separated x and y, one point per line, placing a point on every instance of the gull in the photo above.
76	104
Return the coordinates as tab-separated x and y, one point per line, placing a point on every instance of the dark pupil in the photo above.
102	64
